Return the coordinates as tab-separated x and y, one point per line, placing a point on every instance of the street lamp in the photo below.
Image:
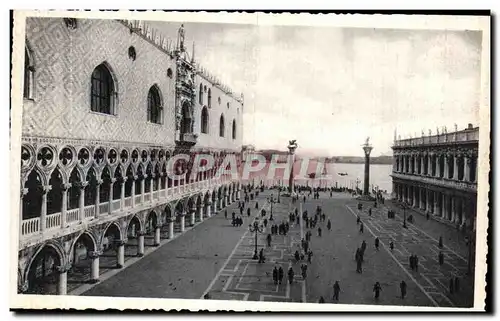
255	229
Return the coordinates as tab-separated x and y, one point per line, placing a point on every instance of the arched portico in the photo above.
47	271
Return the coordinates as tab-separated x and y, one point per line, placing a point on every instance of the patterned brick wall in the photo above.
64	60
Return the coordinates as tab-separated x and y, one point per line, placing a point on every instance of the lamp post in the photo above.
255	229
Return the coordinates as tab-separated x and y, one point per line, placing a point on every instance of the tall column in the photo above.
151	187
455	166
367	150
63	279
140	245
24	191
444	206
81	201
64	204
422	164
110	201
133	191
207	209
157	235
43	212
193	216
94	271
170	228
436	204
415	164
453	211
183	222
97	198
421	203
142	188
446	165
120	253
215	202
438	166
122	194
200	212
429	164
414	200
467	164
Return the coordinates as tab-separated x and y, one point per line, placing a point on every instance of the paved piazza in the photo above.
216	258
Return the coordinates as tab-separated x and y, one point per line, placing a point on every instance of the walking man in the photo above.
377	288
269	240
319	231
402	286
336	291
329	225
361	228
391	245
280	275
441	258
290	275
275	275
377	241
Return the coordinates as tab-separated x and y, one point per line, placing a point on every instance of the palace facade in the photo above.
106	104
437	175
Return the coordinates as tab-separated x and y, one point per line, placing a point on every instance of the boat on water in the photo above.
343	174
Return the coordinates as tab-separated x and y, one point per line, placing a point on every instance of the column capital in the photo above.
141	233
135	177
63	268
99	181
66	186
46	188
23	191
82	185
94	254
113	180
120	242
193	209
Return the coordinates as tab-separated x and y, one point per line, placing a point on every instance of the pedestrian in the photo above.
427	216
248	212
359	267
303	269
363	246
391	245
265	222
336	291
319	231
329	225
280	275
369	212
361	228
290	275
358	220
441	258
306	246
377	288
309	256
377	241
457	284
262	259
257	205
402	286
440	242
241	210
297	255
269	240
451	285
321	299
416	263
357	255
411	262
275	275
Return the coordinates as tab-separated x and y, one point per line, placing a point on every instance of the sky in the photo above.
330	88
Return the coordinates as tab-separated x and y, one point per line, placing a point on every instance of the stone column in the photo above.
24	191
110	201
367	149
142	188
428	206
97	198
183	222
43	212
455	167
436	204
140	245
414	196
200	212
157	235
170	228
446	164
429	164
62	287
122	193
438	166
120	254
151	187
467	164
94	271
64	205
133	191
453	212
193	216
422	164
81	201
207	210
444	206
421	202
415	164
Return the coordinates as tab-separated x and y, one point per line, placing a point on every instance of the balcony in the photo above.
448	183
32	231
188	138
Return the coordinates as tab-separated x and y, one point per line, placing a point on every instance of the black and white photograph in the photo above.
249	161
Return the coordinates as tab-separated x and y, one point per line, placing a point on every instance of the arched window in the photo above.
204	120
209	103
155	109
201	95
234	129
186	123
169	73
103	92
29	70
221	126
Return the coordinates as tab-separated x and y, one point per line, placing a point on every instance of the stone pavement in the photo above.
182	267
431	277
243	278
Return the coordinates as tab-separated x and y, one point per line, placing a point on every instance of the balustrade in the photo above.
53	221
73	215
128	201
89	211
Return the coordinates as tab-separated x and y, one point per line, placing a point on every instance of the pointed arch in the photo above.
222	127
74	190
54	196
32	201
234	129
204	121
209	101
200	95
155	105
103	90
